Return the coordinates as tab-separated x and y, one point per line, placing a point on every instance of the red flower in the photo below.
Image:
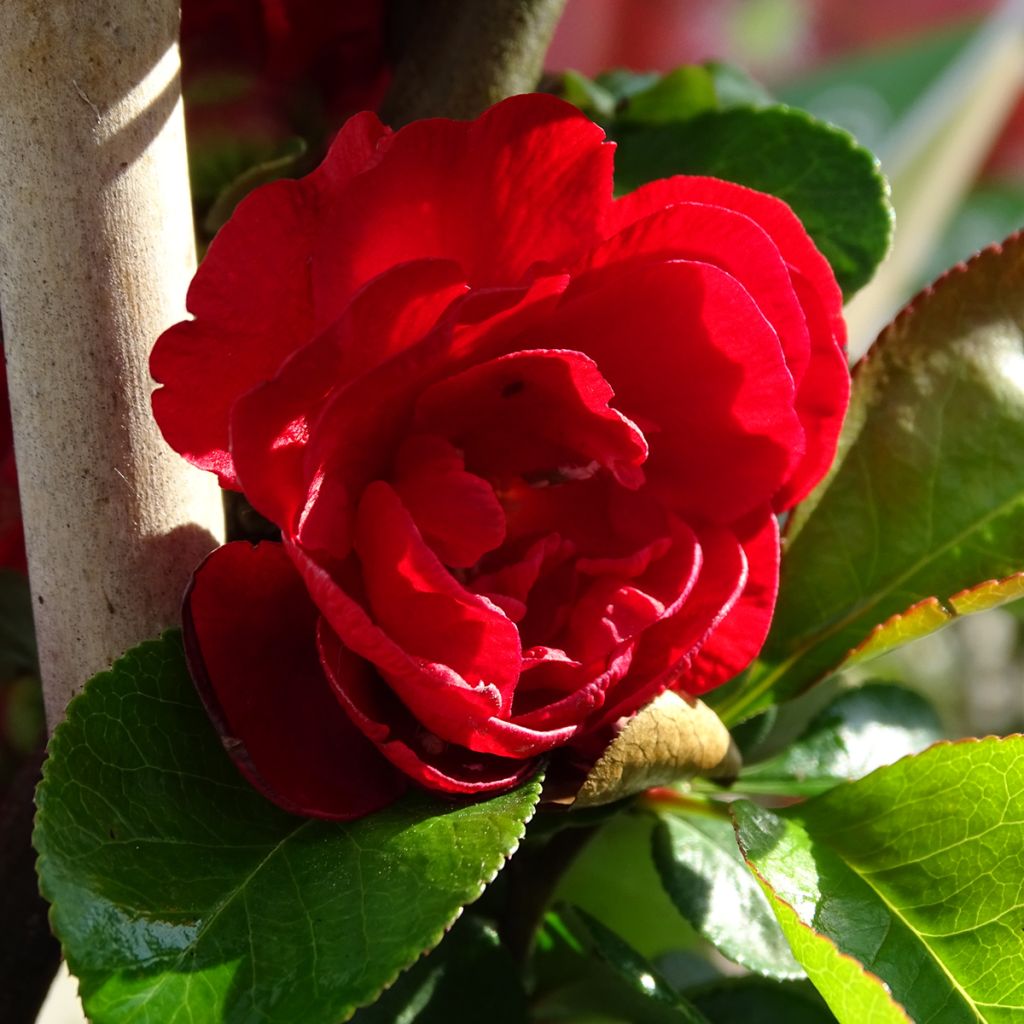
525	444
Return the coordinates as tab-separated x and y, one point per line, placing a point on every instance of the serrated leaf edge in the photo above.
73	711
537	785
53	746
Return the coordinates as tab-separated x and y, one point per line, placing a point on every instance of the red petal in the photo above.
728	240
417	602
694	361
250	634
516	578
361	426
534	412
821	401
666	650
735	641
606	617
420	754
457	512
254	306
270	424
775	216
432	688
528	181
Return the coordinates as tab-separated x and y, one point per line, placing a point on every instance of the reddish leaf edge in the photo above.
945	607
872	979
930	751
738	709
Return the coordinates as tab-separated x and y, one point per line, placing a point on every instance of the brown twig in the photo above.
461	56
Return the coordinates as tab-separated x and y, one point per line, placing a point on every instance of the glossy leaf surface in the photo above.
180	894
470	976
587	973
861	730
914	875
704	873
753	1000
925	503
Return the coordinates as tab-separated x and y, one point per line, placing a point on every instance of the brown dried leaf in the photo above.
673	738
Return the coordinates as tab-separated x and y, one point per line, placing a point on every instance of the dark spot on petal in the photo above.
513	387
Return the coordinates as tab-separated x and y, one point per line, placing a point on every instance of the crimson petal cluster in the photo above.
526	444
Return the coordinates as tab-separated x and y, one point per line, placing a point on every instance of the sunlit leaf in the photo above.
924	510
180	894
911	878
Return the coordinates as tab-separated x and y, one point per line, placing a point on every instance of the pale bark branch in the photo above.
96	250
461	56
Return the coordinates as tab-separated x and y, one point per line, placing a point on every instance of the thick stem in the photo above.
461	56
96	250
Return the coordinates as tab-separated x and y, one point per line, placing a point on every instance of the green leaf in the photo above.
622	83
601	978
735	88
913	875
286	162
860	731
754	1000
925	502
833	185
639	975
854	994
180	894
676	96
470	976
703	872
633	903
596	102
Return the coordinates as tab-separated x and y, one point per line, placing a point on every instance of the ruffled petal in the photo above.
735	641
731	241
542	415
253	303
821	402
667	648
363	423
250	636
775	216
420	754
529	181
270	424
696	364
456	512
417	602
